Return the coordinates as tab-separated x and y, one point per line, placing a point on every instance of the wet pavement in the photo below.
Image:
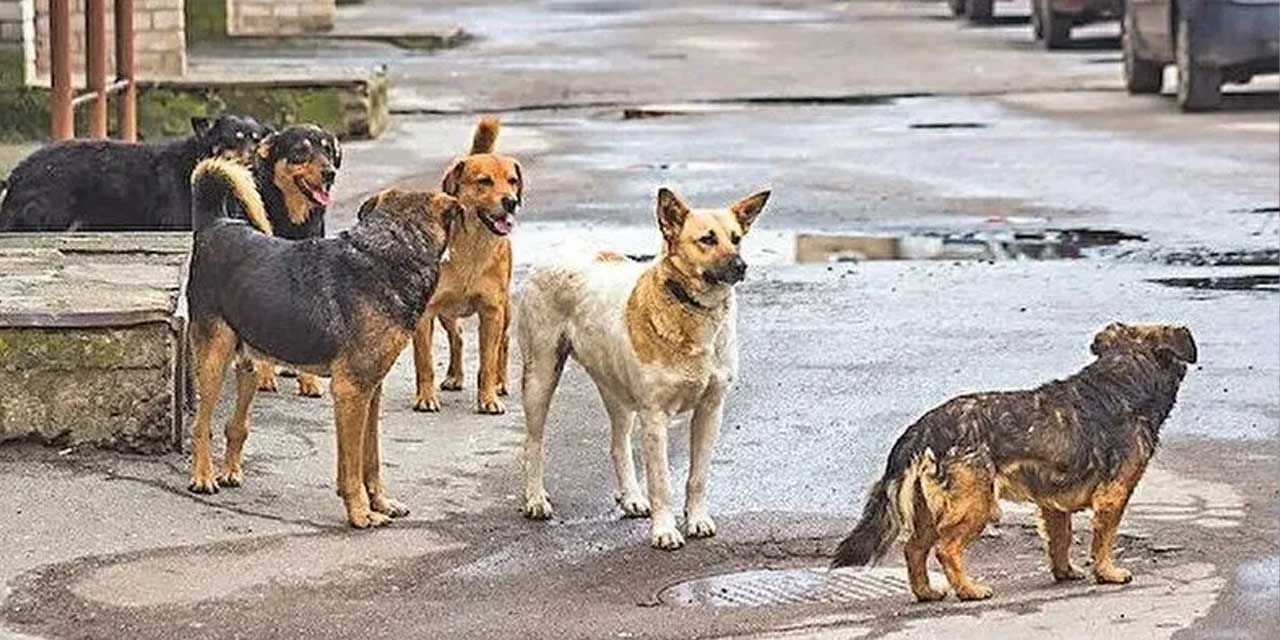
1030	202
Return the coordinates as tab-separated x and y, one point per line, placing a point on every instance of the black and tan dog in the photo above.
294	171
1069	445
476	280
106	185
342	307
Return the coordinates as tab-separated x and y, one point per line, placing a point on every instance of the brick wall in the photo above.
17	41
160	47
279	17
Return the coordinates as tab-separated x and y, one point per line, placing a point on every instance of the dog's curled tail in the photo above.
889	513
215	181
486	137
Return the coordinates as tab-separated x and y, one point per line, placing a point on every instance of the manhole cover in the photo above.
766	587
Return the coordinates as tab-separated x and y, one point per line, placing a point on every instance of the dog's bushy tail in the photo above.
486	136
889	513
214	182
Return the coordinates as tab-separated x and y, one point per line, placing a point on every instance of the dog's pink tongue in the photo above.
321	197
504	224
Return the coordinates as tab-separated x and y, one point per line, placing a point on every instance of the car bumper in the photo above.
1233	33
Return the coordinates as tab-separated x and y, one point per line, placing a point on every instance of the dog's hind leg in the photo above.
373	484
424	365
1055	526
663	533
916	552
704	428
544	359
214	345
453	377
621	421
967	505
237	430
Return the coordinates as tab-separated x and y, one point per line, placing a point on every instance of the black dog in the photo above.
294	171
105	185
343	307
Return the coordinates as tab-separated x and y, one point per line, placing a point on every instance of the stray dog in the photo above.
657	338
342	307
1069	445
476	279
106	185
294	171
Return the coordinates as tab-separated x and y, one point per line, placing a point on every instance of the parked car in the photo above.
1211	42
1052	20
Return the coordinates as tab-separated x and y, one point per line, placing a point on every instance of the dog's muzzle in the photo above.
731	271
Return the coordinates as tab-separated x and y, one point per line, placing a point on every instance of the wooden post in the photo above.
127	104
61	117
95	64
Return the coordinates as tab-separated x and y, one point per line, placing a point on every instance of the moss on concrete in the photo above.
205	20
77	349
12	65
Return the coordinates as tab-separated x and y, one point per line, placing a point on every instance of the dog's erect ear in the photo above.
1178	342
1108	338
519	183
200	126
671	214
453	178
264	147
369	205
748	209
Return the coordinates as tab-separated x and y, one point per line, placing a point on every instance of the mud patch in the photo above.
768	587
1256	282
948	125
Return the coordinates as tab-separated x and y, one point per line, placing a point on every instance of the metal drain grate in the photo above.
766	587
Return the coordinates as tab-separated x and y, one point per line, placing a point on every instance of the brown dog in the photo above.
476	279
1069	445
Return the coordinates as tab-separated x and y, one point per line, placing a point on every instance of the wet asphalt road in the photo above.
836	359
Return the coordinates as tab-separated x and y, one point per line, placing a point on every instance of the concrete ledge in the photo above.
92	339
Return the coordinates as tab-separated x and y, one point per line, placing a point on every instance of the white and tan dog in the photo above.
657	338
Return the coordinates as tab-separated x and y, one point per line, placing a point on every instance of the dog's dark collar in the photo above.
678	292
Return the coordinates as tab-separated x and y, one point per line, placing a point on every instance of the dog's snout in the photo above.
509	203
328	174
737	268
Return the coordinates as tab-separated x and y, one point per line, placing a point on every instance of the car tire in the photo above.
980	10
1055	28
957	7
1140	76
1199	86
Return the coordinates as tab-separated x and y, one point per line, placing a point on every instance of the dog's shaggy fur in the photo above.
1069	445
657	338
343	307
105	185
477	277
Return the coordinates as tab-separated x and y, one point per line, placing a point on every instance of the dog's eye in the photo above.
735	238
485	180
709	239
512	181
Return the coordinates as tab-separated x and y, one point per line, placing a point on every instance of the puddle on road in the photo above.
1008	244
768	587
1253	282
948	125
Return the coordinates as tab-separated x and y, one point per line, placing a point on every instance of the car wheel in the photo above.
1199	86
1140	76
980	10
957	7
1055	28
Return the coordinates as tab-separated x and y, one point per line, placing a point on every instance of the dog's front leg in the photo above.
663	533
351	405
423	365
492	323
704	428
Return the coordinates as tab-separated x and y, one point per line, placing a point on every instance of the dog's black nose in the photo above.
328	175
737	269
510	203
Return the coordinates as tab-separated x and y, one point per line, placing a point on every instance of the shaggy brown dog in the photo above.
476	279
1069	445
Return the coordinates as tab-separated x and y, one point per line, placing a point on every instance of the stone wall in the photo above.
279	17
17	41
160	47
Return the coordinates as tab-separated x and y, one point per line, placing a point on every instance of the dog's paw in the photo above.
929	594
451	383
231	478
1068	574
203	483
666	537
501	390
309	387
492	407
388	507
699	525
633	506
367	519
428	404
973	591
1112	575
538	507
268	384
